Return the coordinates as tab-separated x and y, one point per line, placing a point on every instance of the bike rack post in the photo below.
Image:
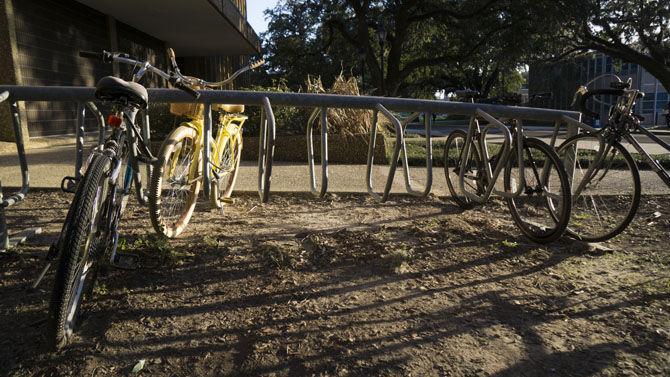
574	126
324	152
206	151
266	147
399	143
101	123
7	242
429	156
146	135
79	135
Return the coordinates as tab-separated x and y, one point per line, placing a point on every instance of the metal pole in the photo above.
81	118
206	149
266	150
101	123
146	135
4	236
399	143
324	152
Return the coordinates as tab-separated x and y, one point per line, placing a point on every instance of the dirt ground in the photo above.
344	286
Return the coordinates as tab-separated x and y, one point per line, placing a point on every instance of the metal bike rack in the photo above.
493	175
429	156
322	114
319	101
7	242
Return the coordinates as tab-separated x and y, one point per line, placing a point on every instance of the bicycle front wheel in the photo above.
175	182
225	169
82	245
604	201
453	155
541	209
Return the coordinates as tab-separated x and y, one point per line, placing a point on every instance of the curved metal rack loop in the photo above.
504	154
321	113
399	144
429	156
266	148
7	242
207	150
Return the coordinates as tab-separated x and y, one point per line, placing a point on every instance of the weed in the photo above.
509	244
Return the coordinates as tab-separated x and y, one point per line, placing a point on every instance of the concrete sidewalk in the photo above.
49	165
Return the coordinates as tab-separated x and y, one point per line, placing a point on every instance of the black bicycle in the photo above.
605	178
90	233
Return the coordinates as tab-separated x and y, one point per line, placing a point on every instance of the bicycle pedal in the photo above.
69	184
126	261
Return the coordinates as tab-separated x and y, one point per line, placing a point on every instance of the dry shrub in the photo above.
344	121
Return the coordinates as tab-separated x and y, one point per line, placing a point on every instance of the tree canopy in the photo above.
414	47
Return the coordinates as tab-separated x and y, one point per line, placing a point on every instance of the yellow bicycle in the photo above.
177	176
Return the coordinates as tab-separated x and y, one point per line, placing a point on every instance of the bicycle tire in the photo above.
561	217
451	162
160	220
611	227
63	312
224	189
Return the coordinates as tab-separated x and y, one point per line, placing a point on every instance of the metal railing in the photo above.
322	103
7	242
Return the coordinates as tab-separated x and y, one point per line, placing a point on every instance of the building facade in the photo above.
40	41
563	78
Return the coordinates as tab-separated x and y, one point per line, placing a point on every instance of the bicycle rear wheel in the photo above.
82	245
542	210
174	188
609	200
226	168
453	155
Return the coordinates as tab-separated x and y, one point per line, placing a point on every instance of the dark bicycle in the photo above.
606	180
90	232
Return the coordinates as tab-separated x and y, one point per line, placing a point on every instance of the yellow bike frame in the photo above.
230	126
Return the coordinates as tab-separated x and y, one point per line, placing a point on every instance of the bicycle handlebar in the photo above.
194	81
582	95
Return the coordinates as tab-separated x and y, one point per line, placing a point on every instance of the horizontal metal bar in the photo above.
60	93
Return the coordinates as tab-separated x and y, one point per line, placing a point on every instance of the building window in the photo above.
599	66
661	100
608	65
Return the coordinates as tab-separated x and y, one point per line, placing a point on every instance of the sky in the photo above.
255	16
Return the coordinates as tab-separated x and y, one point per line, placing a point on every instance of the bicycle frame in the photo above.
229	126
655	165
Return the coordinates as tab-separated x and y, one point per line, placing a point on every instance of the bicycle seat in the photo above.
111	88
234	109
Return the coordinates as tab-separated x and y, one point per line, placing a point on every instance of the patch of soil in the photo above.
344	286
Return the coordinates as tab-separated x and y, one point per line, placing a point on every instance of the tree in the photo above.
401	47
636	31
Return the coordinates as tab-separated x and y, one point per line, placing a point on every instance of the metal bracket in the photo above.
324	152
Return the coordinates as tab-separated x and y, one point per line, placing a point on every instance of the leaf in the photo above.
139	366
510	244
